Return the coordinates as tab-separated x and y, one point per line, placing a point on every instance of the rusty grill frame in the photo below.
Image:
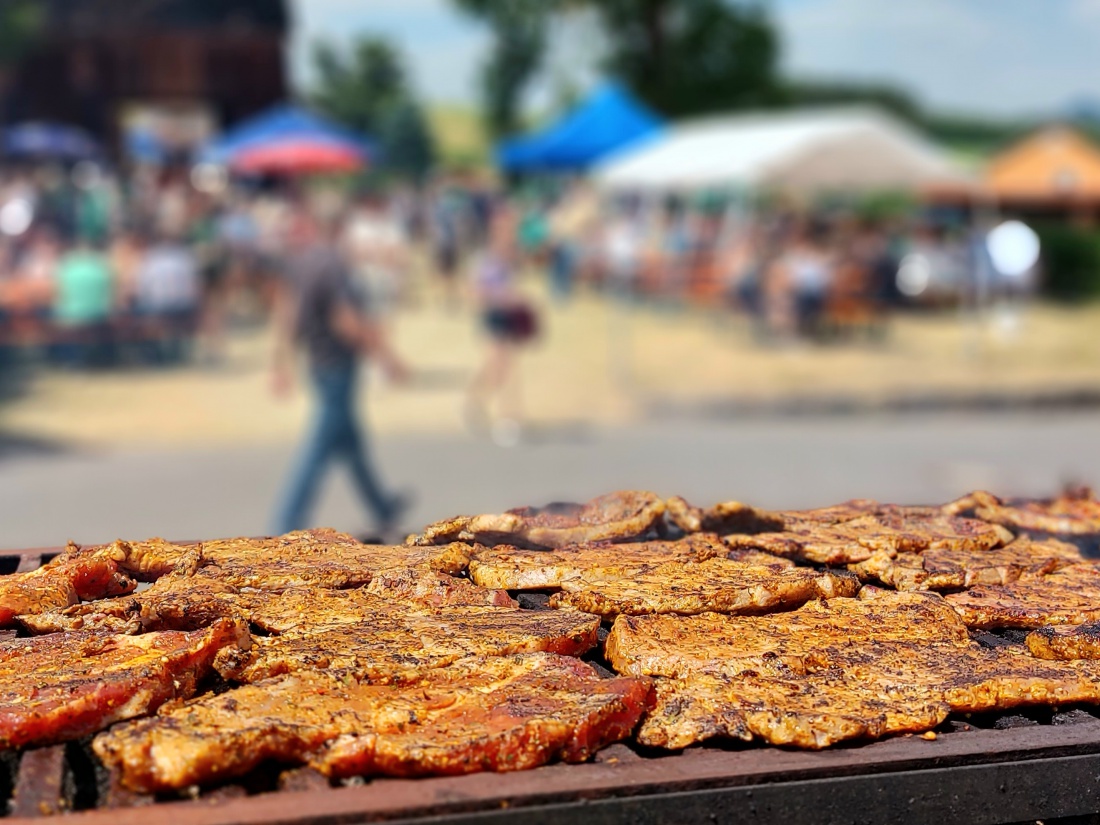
1008	768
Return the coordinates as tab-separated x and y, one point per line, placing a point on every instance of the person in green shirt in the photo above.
84	289
83	299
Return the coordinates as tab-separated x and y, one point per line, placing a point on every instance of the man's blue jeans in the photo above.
335	436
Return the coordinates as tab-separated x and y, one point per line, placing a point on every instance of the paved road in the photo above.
46	498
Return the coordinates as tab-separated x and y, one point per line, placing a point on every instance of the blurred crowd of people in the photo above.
101	269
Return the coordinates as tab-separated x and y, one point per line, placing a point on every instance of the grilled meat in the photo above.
515	569
499	714
849	668
67	685
674	646
726	517
189	602
148	560
714	585
805	711
1074	513
873	690
317	558
320	558
1069	595
952	569
617	517
1081	641
372	638
432	589
64	581
174	602
860	537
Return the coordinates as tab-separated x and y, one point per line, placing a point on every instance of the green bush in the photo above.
1071	261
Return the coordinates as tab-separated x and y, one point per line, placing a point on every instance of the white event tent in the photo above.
801	152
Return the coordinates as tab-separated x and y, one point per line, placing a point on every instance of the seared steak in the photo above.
714	585
1070	595
726	517
953	569
354	632
64	581
617	517
66	685
515	569
497	714
859	538
1081	641
1074	513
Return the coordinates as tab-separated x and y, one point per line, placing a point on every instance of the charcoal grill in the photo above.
1043	765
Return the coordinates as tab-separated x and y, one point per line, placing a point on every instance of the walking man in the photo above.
322	310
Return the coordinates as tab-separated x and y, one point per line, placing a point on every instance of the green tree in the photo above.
689	56
680	56
20	22
519	44
366	88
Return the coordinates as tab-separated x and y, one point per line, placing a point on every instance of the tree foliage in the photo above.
366	88
689	56
20	22
519	30
680	56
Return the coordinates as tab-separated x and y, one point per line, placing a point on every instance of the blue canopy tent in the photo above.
289	138
609	120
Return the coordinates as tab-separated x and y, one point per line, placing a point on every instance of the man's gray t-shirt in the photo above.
321	279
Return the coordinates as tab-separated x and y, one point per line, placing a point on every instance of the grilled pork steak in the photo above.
371	638
515	569
850	668
726	517
63	686
173	602
714	585
62	582
1074	513
1069	595
498	714
617	517
954	569
859	538
1065	642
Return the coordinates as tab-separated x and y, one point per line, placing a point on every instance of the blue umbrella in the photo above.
283	134
41	139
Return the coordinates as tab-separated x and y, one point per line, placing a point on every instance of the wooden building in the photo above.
96	61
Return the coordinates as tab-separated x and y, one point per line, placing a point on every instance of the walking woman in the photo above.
509	322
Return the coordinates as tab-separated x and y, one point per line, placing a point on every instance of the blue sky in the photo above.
997	57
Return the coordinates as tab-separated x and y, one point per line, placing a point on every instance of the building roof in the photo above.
1055	164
